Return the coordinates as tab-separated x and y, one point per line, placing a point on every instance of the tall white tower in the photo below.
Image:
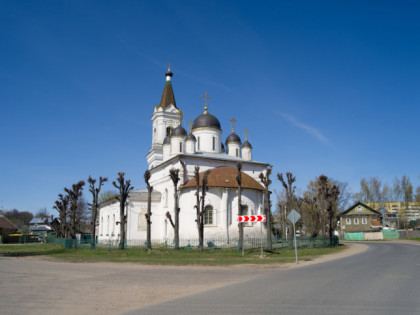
166	116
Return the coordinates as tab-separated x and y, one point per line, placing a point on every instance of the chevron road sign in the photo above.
251	218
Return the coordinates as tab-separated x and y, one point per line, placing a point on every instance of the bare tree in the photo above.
240	224
290	191
174	173
200	209
94	206
61	205
43	214
267	207
148	215
327	197
124	187
74	193
107	195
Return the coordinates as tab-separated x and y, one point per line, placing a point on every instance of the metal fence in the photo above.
210	243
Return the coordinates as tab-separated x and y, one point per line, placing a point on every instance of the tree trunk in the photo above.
268	219
93	232
176	228
122	226
148	217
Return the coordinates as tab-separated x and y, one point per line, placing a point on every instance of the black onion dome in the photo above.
246	144
206	120
233	137
191	137
179	131
167	140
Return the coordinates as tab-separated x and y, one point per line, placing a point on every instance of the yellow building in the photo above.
410	210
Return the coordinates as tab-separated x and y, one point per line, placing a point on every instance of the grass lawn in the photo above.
415	239
166	257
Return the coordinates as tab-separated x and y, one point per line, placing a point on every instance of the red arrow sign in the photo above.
251	218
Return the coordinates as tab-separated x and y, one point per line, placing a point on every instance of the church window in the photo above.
237	152
214	143
142	223
198	144
113	225
180	147
244	210
107	227
102	226
166	198
208	218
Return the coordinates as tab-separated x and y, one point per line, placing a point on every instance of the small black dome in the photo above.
206	120
191	137
167	140
179	131
246	144
233	137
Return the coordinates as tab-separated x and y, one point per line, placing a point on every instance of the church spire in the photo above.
168	97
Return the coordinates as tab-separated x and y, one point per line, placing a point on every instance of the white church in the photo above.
173	147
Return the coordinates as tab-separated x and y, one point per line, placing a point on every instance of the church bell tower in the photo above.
166	116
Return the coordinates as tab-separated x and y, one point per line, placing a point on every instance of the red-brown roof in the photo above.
225	176
6	224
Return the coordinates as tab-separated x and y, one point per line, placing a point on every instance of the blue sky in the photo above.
325	87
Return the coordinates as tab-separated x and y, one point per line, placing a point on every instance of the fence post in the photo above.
189	246
212	245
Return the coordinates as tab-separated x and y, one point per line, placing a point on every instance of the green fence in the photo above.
391	234
355	236
210	243
21	239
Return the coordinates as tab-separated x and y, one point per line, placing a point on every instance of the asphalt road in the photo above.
385	279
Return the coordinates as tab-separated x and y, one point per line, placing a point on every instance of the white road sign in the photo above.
293	216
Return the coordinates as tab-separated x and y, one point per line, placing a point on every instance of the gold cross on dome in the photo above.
246	133
169	66
205	96
233	120
190	123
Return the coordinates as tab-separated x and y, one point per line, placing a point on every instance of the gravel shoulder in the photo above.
34	286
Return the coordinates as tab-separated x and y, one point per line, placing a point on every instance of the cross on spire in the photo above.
190	123
246	133
205	96
233	120
169	66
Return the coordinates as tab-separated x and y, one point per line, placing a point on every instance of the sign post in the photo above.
293	217
253	218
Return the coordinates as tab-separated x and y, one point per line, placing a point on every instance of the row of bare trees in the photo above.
318	206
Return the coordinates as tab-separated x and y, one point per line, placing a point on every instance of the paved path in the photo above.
385	279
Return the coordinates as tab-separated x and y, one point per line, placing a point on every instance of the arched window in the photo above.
102	225
107	226
166	198
180	147
142	224
113	225
245	211
237	152
198	144
214	143
208	217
